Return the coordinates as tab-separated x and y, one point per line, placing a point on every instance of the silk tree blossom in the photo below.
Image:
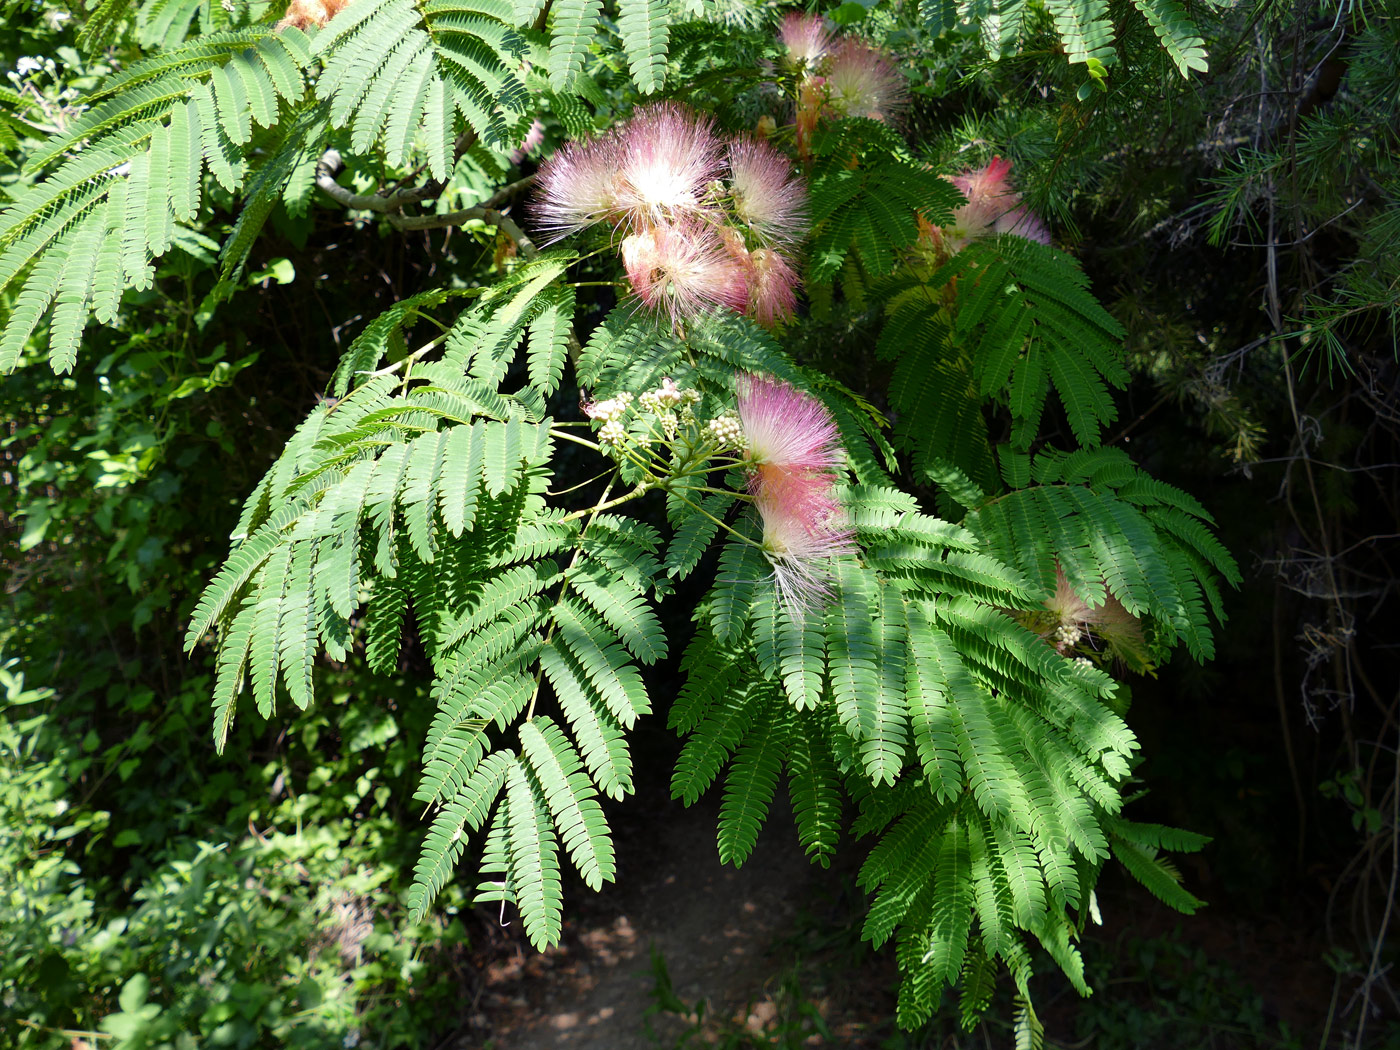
303	14
655	168
1023	222
863	82
806	39
785	428
667	157
1073	620
767	199
657	180
683	270
801	535
577	187
992	207
772	287
793	448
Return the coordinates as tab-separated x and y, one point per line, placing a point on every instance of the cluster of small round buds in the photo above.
611	410
665	397
1084	661
727	431
613	432
668	393
1068	635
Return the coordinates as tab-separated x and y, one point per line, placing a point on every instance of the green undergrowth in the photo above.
250	907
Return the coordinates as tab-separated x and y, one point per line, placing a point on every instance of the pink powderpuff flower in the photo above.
1023	222
992	207
863	82
793	449
772	287
577	187
770	282
786	429
801	535
984	184
1109	623
667	156
684	270
767	198
805	38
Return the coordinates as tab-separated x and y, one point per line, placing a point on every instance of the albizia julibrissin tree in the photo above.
940	686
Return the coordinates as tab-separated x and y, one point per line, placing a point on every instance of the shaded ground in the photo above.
1229	978
715	926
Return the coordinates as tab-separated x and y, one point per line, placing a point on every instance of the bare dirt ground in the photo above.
730	937
716	927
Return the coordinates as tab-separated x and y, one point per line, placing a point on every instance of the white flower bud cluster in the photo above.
613	432
667	396
1068	635
727	431
611	410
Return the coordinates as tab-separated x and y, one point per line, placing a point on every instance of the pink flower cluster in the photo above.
992	207
705	222
793	451
846	78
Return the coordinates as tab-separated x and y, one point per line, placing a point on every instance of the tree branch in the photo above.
330	165
490	216
391	204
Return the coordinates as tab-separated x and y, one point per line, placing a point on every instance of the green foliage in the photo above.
1111	529
1084	29
230	933
443	516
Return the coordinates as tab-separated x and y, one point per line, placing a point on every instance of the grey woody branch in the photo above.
390	205
331	165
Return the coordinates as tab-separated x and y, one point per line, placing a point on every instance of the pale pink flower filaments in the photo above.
792	446
772	287
800	537
863	82
688	207
668	157
1074	621
577	187
992	207
684	271
784	427
1023	222
806	39
767	199
655	168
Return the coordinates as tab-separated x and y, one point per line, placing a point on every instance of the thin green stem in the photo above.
407	362
593	512
718	492
724	525
576	440
575	488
